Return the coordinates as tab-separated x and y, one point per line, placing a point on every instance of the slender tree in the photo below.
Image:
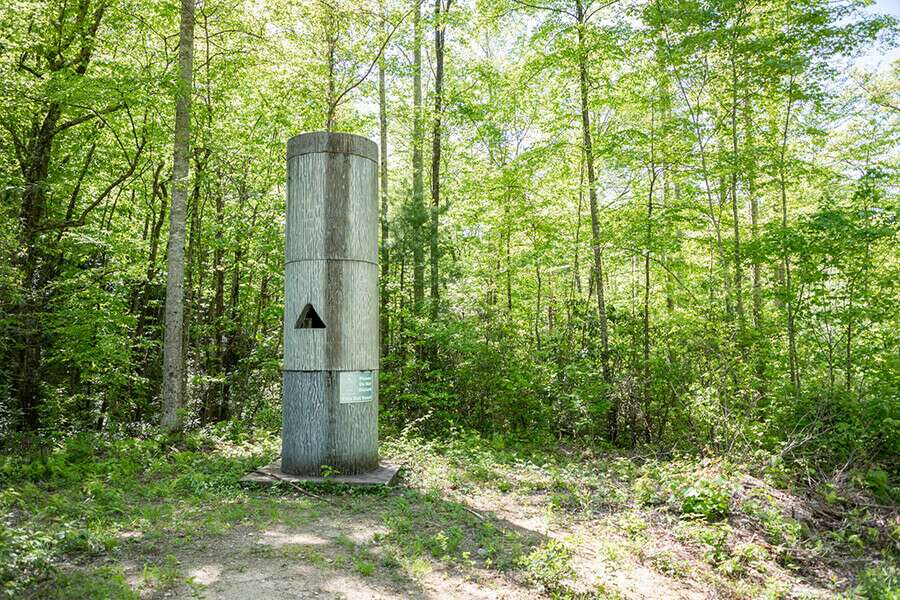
596	240
418	184
440	31
385	223
173	353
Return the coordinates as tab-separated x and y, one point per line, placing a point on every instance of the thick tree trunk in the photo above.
173	355
29	352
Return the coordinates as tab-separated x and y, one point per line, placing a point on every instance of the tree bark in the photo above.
755	281
34	151
595	213
385	257
158	191
418	185
738	267
173	356
215	364
34	203
507	242
793	367
439	36
645	387
576	263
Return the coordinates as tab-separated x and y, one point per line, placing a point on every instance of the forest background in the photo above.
659	224
667	223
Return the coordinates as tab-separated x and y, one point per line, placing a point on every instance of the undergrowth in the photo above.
748	529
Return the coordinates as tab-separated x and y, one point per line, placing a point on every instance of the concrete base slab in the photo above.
385	474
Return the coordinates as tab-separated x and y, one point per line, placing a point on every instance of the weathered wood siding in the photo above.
324	431
345	295
330	215
331	255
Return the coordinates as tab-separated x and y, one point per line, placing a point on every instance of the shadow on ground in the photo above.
394	543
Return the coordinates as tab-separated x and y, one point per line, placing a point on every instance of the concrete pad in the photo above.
385	474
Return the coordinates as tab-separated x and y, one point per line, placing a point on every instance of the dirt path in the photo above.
324	558
471	527
382	548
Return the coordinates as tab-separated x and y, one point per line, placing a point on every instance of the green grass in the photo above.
81	497
92	500
106	582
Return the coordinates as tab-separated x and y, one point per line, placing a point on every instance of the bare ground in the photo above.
446	533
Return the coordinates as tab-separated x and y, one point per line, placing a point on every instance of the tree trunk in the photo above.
418	186
576	263
215	364
507	243
235	328
645	387
173	356
156	229
595	213
537	310
385	224
738	268
439	33
756	284
786	260
34	203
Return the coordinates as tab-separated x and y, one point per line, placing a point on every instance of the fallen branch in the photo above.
295	486
480	516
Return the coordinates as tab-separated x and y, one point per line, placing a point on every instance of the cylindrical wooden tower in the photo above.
330	400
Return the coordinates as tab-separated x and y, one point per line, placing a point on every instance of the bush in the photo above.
25	558
879	583
549	564
707	498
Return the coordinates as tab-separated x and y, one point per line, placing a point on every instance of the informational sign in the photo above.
355	386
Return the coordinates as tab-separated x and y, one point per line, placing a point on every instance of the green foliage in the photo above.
164	576
740	198
748	286
105	582
76	501
879	583
178	496
549	565
879	483
781	530
712	539
705	498
693	493
25	558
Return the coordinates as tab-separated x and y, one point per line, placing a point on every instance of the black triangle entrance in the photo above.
309	319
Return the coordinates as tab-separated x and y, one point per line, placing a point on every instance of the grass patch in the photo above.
92	500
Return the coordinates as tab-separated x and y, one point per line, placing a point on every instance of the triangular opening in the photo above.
309	319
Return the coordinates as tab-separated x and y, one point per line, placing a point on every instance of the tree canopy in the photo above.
644	222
